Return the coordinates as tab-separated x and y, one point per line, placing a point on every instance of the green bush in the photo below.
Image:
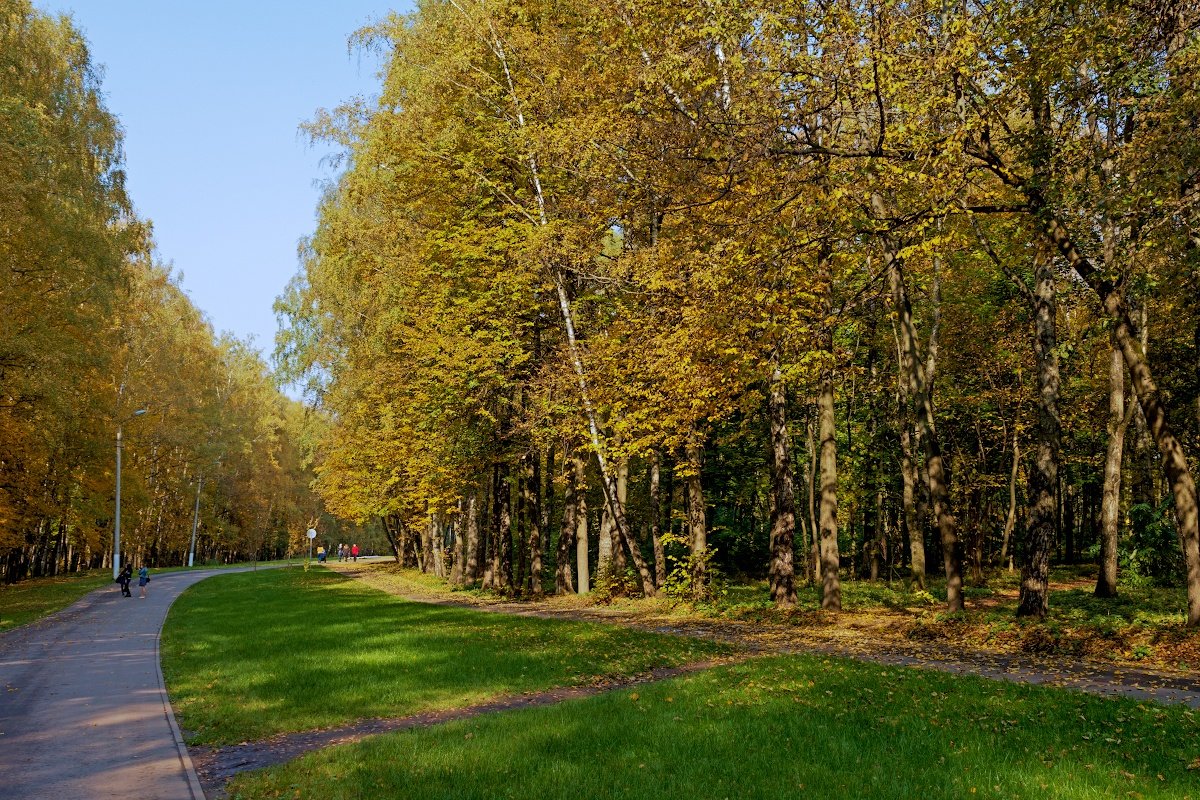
1152	555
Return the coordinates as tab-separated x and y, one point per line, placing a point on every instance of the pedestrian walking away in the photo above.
143	580
354	552
321	554
124	578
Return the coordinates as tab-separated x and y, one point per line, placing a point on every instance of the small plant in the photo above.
682	566
923	597
1152	556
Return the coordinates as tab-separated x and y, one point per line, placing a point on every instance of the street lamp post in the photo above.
195	520
117	520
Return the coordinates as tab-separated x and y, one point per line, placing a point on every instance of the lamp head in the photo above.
140	411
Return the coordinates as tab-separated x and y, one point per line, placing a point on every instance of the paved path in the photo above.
83	712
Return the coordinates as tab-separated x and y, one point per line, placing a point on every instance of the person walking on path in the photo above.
143	580
354	552
125	576
321	554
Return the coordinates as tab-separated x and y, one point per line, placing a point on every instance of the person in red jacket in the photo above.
354	552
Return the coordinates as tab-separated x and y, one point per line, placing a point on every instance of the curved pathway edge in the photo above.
84	711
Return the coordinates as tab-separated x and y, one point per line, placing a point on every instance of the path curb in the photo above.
185	758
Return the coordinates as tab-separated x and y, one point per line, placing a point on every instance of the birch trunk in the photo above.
608	481
563	582
660	558
783	493
697	522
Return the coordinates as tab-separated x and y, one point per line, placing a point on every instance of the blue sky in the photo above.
211	95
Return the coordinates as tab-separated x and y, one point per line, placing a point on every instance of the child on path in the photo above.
143	579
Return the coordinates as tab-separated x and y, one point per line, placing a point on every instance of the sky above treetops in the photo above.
211	96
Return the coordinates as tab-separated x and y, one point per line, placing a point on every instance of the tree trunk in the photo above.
437	538
392	539
922	392
583	576
908	469
546	488
498	527
460	550
656	513
471	537
491	536
831	585
604	549
533	512
520	540
814	554
563	581
1040	536
697	522
1010	520
1110	507
618	555
783	493
1174	463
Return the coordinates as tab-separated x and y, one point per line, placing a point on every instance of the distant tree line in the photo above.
94	330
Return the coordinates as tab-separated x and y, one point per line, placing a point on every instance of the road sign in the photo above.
312	534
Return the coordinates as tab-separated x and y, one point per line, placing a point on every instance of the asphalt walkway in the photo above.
84	713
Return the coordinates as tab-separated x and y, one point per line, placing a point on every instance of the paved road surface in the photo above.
83	713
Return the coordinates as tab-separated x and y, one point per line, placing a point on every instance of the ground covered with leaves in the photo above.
1143	627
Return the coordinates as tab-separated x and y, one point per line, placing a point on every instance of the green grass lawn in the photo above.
34	598
774	728
249	655
24	602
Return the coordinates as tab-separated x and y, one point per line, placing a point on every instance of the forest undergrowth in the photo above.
1143	627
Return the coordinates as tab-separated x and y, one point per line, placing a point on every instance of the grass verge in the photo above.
246	656
31	599
24	602
790	726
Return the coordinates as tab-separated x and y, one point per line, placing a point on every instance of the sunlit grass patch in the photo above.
778	727
246	656
24	602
